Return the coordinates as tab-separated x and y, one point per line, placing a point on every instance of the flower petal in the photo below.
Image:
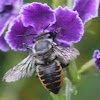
37	15
16	28
4	20
70	24
96	56
62	43
5	16
87	9
8	9
3	3
3	45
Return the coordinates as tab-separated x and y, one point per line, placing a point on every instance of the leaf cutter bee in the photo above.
48	58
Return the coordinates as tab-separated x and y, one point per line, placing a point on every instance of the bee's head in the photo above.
46	35
42	43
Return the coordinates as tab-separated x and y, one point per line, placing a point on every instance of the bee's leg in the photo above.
25	35
37	67
27	47
63	65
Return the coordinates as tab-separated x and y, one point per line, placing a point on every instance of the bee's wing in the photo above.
65	54
23	69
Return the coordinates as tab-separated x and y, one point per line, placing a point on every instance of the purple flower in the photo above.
87	9
96	56
3	45
35	17
8	10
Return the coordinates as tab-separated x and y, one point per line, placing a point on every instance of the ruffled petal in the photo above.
69	25
3	44
96	56
14	3
8	10
3	3
62	43
12	36
5	16
37	15
87	9
4	21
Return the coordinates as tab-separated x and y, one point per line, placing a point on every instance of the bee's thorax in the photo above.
42	47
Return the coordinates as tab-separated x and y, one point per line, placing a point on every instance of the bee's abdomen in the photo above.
51	77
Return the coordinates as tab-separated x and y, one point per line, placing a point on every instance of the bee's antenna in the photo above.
57	31
46	28
25	35
27	47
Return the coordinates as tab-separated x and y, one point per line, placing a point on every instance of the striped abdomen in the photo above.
51	77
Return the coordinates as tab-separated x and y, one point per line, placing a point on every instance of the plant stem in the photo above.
70	3
73	73
86	66
56	3
68	89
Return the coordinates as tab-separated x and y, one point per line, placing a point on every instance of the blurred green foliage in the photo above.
31	88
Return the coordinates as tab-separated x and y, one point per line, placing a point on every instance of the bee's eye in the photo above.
34	41
50	35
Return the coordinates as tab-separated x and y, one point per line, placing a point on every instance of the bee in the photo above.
48	59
